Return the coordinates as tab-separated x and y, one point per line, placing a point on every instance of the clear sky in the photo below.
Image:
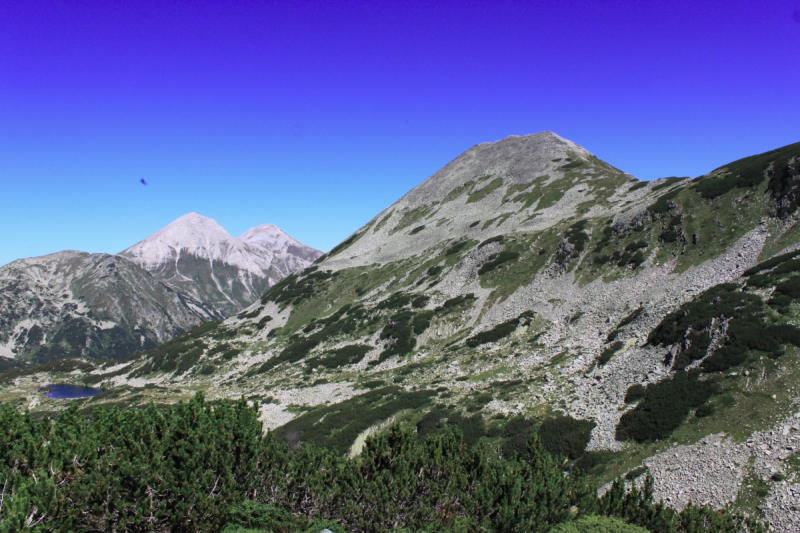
317	115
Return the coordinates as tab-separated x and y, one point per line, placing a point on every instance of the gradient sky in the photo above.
317	115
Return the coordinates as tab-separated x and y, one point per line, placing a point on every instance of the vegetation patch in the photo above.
749	328
673	232
668	182
337	426
500	331
496	260
664	406
497	238
210	467
59	365
347	355
609	352
344	245
624	322
664	203
252	314
479	195
456	248
295	289
751	171
458	301
565	436
435	271
577	237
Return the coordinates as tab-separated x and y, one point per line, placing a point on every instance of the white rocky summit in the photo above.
199	256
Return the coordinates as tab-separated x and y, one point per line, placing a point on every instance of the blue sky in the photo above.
317	115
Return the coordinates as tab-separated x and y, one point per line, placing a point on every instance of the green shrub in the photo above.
207	370
725	357
565	436
771	263
337	426
399	330
420	301
516	435
634	393
416	230
790	287
609	352
457	301
497	260
597	524
635	246
457	247
636	473
435	271
498	238
663	204
625	321
347	355
751	171
431	422
576	236
704	411
667	183
255	514
665	406
472	428
345	244
252	314
502	330
396	301
422	321
198	467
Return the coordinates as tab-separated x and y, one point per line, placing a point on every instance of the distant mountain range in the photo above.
76	304
196	255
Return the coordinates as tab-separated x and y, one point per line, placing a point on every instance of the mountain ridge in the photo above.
76	304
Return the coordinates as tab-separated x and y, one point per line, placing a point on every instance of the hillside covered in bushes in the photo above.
203	467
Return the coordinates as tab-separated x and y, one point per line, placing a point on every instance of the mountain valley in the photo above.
638	327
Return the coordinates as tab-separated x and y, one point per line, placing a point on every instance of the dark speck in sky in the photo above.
143	182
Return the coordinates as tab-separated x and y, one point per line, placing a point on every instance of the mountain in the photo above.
196	255
76	304
529	286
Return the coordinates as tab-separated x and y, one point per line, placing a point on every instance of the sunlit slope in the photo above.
530	286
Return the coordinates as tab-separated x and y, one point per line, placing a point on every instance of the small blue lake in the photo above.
62	392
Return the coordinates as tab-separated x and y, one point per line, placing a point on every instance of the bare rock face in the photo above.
197	256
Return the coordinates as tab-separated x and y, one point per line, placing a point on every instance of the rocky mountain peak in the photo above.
519	183
191	234
272	238
204	260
